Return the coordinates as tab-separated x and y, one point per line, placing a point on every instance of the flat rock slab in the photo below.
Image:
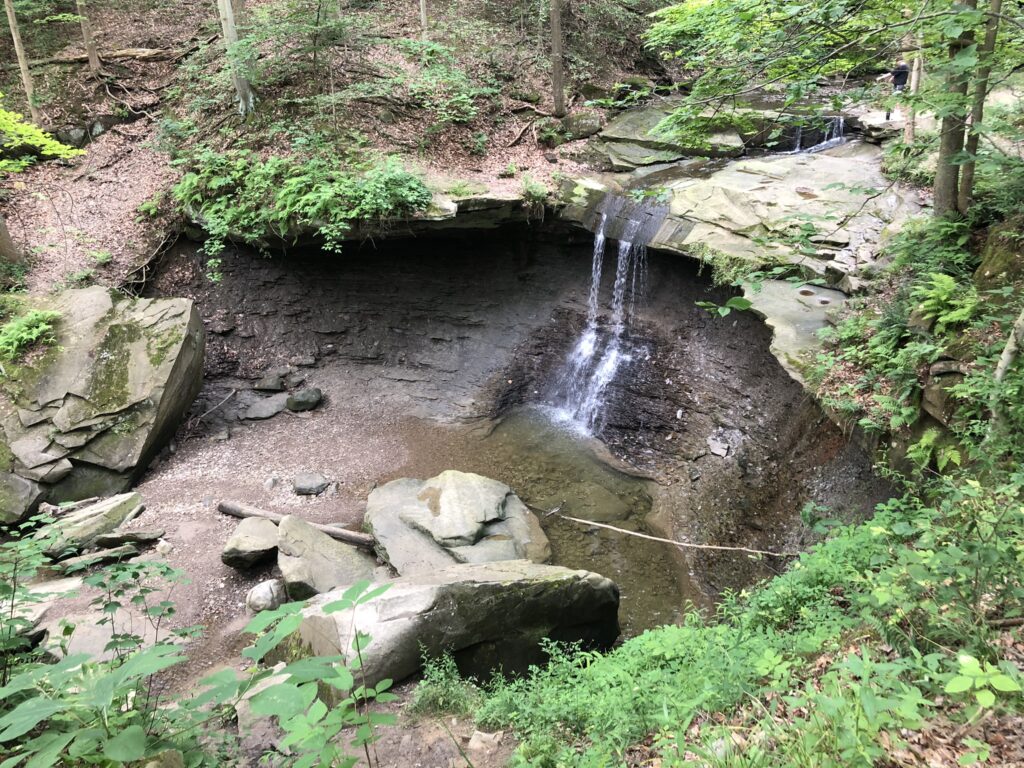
488	616
312	562
252	542
455	517
79	529
267	407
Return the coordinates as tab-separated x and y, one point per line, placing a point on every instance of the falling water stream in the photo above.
602	349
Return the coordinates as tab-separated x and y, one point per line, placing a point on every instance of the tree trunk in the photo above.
9	252
19	51
243	90
90	41
951	141
1013	345
916	75
423	19
557	65
988	47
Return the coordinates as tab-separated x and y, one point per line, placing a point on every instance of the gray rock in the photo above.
312	562
583	125
420	525
253	541
270	383
266	596
106	398
136	536
19	497
305	399
79	529
112	555
267	408
488	616
310	484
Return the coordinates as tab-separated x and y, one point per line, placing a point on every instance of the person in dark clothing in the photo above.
899	76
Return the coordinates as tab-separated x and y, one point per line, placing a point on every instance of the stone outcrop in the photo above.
488	616
88	416
456	517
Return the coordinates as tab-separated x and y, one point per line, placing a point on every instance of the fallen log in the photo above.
138	54
235	509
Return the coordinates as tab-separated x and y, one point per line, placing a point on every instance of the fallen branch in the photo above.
139	54
680	544
1016	621
522	133
235	509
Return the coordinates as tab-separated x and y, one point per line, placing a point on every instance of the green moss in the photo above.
6	457
108	387
158	345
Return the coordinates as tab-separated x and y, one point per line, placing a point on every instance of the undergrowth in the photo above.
239	196
22	332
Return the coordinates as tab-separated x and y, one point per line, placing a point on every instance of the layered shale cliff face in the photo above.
464	330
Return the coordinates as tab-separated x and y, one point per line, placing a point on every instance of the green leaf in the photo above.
958	684
1004	683
985	697
27	716
128	745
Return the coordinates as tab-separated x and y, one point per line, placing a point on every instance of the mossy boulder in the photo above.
86	418
1002	260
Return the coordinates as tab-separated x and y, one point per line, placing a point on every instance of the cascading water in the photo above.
833	136
600	353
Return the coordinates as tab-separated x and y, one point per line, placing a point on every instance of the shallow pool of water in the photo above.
549	465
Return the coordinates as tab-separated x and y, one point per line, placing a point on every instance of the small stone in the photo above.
164	547
270	483
305	399
267	407
266	596
487	743
310	484
270	383
551	157
718	447
694	474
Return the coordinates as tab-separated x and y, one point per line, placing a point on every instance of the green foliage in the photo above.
943	299
23	142
239	196
83	711
443	690
23	332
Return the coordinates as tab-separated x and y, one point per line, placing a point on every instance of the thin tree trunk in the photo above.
916	75
1010	351
423	19
988	47
243	90
9	252
557	64
90	41
19	51
951	141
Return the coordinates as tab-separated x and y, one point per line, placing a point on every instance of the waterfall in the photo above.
835	129
600	352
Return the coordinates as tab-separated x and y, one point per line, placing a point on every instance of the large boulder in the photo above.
252	542
311	562
456	517
488	616
90	414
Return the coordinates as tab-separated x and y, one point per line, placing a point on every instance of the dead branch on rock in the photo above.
235	509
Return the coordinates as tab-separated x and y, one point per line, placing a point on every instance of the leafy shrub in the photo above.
25	331
238	195
442	690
